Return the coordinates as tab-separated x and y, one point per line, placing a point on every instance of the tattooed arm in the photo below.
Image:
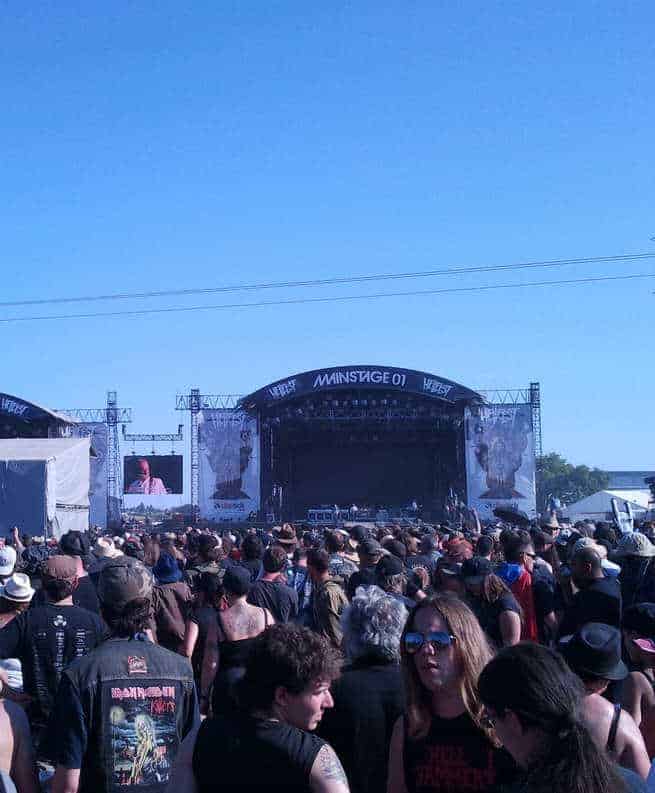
327	774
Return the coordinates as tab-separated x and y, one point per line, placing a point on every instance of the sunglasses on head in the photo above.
439	640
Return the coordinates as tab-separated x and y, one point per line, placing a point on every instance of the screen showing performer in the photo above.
153	475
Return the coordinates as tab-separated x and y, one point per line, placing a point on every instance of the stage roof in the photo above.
364	377
22	410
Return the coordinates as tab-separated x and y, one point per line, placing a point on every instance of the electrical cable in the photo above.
330	281
333	299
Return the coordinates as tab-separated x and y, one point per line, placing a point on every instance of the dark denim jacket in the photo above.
120	715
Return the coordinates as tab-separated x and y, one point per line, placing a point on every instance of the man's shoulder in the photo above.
138	659
605	585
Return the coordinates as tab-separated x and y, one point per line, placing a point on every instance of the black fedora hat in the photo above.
595	650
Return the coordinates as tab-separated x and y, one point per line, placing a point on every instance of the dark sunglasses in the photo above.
439	640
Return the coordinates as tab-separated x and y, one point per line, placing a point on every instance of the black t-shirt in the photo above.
253	566
364	577
598	602
46	639
455	757
85	596
543	591
278	598
488	615
253	754
368	699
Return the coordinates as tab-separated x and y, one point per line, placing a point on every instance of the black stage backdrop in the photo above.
374	475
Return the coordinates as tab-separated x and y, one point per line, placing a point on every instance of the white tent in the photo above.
44	485
598	506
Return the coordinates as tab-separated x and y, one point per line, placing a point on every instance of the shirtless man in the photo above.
16	751
638	696
594	654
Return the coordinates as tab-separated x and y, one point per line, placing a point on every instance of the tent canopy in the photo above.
598	506
44	484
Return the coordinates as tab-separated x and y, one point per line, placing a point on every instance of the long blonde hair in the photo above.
472	653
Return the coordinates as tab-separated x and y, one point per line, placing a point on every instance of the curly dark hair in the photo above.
289	656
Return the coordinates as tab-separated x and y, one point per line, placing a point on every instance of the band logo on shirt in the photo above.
144	737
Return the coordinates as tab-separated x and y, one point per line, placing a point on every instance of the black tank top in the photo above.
455	757
253	754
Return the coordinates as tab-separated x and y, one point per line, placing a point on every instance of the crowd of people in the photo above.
451	658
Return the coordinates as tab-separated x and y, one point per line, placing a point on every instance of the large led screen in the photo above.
152	475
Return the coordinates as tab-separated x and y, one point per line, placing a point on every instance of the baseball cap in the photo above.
397	549
448	567
370	547
388	566
60	568
476	567
358	533
122	581
7	560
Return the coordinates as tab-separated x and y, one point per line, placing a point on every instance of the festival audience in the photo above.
400	621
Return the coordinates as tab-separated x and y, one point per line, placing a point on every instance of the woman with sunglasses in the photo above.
532	701
439	745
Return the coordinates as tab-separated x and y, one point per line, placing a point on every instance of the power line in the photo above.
329	281
335	299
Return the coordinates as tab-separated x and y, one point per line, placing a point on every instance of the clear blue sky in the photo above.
162	146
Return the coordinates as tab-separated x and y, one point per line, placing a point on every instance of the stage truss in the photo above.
194	402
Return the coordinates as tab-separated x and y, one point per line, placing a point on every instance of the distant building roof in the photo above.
628	480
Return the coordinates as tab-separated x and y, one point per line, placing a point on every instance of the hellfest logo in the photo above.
12	407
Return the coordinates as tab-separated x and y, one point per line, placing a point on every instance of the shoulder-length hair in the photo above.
472	652
536	684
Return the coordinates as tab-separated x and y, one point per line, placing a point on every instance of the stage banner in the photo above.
500	460
98	433
228	445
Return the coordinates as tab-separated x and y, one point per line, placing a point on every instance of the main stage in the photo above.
376	437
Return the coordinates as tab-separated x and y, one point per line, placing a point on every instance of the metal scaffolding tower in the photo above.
194	402
111	415
535	403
